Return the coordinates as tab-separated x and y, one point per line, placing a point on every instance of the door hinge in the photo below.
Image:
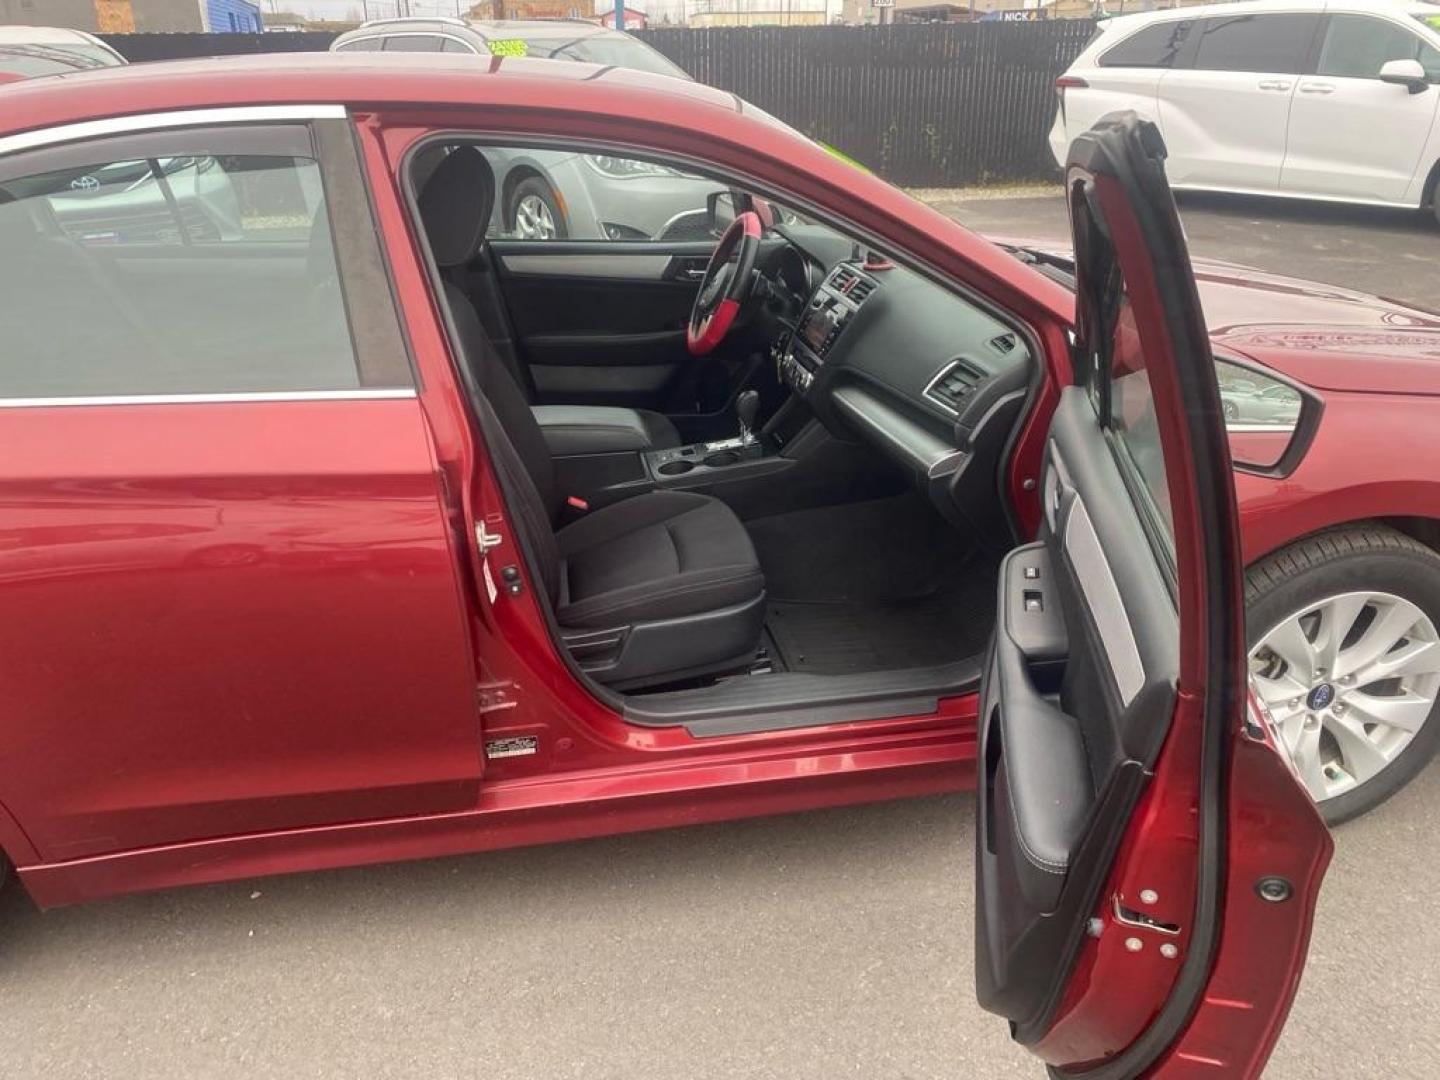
495	696
486	539
1138	920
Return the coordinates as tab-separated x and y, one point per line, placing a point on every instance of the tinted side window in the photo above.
204	274
453	46
1356	46
369	44
1268	43
1154	46
415	43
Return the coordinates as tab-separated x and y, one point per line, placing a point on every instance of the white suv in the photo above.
1313	100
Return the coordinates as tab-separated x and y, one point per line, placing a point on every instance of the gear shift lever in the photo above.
746	406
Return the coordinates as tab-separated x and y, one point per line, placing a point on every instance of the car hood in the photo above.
1325	336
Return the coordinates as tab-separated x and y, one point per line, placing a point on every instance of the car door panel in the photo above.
1225	129
599	323
227	587
1225	106
1351	134
1082	688
1113	702
222	500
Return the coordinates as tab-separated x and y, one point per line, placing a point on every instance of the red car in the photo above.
336	531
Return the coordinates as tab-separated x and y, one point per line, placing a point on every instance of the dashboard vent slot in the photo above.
850	284
1003	343
953	385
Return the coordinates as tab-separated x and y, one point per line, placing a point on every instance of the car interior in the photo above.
802	525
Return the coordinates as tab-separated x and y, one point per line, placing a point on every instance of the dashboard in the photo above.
931	380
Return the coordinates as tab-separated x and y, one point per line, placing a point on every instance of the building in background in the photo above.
706	13
530	9
137	16
635	19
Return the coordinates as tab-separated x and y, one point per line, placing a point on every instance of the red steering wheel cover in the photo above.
703	337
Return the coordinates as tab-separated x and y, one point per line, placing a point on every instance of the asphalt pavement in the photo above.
825	945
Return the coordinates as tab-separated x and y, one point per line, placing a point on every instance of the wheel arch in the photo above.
1427	193
1423	529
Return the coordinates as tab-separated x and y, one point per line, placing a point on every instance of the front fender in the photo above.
1374	456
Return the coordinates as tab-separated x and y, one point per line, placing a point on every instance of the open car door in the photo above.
1147	859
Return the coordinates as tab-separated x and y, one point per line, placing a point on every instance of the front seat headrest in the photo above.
455	204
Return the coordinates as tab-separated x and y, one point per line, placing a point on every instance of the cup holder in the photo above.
675	468
721	458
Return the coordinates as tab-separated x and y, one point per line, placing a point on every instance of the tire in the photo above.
1314	584
534	212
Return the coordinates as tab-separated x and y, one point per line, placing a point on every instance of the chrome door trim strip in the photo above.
387	394
119	125
1102	597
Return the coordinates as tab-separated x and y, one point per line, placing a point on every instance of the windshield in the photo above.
618	51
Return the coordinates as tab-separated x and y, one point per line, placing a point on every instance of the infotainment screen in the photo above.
818	325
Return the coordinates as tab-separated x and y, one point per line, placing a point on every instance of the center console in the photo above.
829	310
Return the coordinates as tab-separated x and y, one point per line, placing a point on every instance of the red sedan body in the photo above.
142	789
250	637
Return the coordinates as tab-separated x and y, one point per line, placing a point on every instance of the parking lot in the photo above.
824	945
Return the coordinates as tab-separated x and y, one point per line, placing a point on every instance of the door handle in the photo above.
1274	84
1317	88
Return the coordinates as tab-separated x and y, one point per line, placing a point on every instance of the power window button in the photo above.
1031	573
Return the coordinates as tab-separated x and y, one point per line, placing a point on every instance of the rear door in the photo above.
227	570
1128	800
1225	106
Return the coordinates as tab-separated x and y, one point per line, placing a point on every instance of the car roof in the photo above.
486	29
41	35
541	29
1256	7
358	80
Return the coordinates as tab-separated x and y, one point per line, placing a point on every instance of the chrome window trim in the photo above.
155	121
369	394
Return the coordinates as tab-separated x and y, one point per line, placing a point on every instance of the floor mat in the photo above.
842	638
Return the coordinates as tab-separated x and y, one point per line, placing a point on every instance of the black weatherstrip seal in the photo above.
1132	152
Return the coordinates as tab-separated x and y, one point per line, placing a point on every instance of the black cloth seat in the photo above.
577	429
658	587
659	556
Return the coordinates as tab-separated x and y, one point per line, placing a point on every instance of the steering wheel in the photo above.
725	286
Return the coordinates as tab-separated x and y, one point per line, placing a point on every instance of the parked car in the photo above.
27	51
1275	405
546	195
385	539
1313	99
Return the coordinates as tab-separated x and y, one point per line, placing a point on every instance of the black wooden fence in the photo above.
941	105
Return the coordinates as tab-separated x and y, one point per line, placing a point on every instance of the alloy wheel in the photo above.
1350	680
533	219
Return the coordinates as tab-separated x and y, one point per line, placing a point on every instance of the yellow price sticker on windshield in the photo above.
508	47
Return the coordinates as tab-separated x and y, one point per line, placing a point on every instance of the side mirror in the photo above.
1407	73
720	209
1269	419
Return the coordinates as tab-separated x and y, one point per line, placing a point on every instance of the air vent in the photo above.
849	283
953	385
1004	343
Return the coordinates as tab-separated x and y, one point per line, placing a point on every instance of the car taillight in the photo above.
1069	82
